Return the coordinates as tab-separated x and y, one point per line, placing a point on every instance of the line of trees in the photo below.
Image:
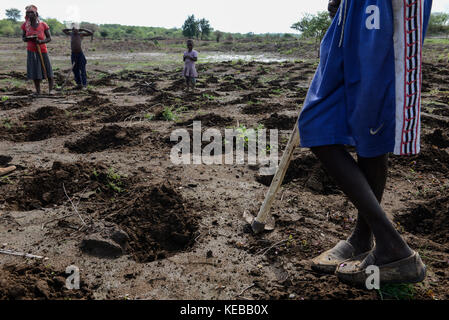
439	24
193	28
315	26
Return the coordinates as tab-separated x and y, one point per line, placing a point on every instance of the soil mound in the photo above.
429	160
164	98
442	112
158	223
210	120
308	172
47	129
145	88
36	282
45	187
102	82
177	85
121	89
14	104
44	113
281	122
5	160
108	137
437	138
262	108
37	131
429	219
94	100
122	113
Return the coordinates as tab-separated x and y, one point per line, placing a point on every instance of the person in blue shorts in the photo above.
366	93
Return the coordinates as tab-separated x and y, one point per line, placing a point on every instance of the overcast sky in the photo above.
258	16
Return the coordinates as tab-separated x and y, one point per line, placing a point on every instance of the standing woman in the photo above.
37	33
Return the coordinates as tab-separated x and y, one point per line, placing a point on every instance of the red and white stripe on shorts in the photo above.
408	45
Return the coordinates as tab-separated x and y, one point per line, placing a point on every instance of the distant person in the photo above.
37	33
190	73
78	59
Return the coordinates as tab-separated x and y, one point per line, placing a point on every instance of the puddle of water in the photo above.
220	57
119	56
203	58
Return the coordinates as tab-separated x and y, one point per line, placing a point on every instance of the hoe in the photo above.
264	221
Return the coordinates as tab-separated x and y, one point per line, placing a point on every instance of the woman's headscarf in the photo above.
27	20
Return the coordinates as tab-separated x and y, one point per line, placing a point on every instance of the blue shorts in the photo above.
367	89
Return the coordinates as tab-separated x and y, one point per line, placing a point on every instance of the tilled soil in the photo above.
108	137
158	223
37	282
96	188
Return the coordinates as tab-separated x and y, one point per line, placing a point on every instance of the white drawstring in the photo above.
342	15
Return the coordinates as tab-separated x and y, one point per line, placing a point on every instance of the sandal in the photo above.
408	270
328	261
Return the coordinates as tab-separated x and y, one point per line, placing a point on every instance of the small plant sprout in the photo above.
168	114
148	116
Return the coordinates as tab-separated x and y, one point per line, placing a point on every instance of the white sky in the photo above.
258	16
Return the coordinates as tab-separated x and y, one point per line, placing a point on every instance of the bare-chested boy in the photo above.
78	59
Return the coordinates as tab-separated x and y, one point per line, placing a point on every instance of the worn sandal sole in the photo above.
408	270
328	261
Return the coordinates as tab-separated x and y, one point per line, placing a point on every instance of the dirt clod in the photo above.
108	137
158	222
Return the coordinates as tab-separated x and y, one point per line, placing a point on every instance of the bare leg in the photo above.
389	244
375	171
50	85
37	85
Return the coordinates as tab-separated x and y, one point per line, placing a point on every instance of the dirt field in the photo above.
95	186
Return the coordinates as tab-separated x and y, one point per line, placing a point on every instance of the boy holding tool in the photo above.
78	59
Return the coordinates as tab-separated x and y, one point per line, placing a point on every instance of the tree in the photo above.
89	26
104	33
439	23
191	27
313	26
218	35
205	28
13	14
6	28
56	27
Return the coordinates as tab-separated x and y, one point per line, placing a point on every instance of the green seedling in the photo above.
114	181
7	124
208	96
168	114
148	116
397	291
